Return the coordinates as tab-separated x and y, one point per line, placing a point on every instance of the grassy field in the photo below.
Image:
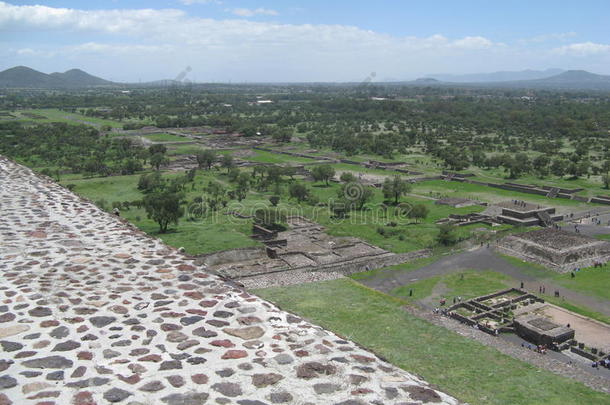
166	138
591	280
56	115
220	232
188	149
261	156
461	367
465	284
372	225
489	194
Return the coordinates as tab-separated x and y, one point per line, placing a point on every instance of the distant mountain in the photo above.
77	77
22	76
568	80
25	77
577	77
504	76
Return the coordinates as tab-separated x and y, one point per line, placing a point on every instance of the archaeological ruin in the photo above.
556	249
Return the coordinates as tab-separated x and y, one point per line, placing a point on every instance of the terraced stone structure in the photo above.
93	311
557	249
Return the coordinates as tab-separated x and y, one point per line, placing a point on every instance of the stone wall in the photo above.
232	256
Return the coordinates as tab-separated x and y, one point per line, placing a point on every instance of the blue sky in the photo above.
288	40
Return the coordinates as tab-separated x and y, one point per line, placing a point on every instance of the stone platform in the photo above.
92	311
557	249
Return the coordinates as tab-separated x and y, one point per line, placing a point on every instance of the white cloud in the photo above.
191	2
583	49
473	43
116	49
152	43
248	12
561	36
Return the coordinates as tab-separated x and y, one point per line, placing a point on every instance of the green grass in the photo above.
166	138
261	156
219	232
406	236
590	281
388	271
488	194
189	149
56	115
466	284
457	365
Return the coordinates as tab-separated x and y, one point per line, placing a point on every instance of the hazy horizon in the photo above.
284	41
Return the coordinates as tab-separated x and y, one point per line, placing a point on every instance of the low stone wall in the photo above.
232	256
358	266
598	200
562	262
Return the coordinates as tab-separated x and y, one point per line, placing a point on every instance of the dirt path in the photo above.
482	259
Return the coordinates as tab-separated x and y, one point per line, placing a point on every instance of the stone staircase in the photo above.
553	192
545	219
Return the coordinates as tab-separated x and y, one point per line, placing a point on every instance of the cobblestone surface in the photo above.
286	278
93	311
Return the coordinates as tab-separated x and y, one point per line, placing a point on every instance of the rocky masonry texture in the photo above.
92	311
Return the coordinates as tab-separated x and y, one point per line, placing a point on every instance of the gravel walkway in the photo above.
481	259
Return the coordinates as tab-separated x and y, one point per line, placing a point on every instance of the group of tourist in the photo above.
542	349
603	363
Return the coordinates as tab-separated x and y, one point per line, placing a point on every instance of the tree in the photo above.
395	188
516	165
157	160
419	211
606	180
163	208
323	173
206	158
157	148
540	164
227	162
347	177
215	194
559	167
243	186
274	200
282	135
355	195
577	169
446	235
298	191
151	182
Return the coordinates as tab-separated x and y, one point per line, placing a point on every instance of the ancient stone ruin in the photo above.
492	313
456	202
557	249
304	246
94	311
525	214
542	330
536	321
